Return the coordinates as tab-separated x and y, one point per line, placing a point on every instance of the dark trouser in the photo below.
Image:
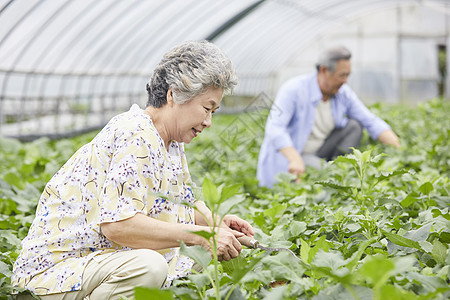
340	140
337	143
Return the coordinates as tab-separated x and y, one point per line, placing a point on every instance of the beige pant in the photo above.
117	276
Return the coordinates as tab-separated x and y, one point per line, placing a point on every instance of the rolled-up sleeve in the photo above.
280	115
128	181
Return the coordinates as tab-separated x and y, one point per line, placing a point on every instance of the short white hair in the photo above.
330	57
190	69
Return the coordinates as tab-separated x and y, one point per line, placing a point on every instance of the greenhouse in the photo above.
370	223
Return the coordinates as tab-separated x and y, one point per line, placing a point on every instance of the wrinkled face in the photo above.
191	117
334	80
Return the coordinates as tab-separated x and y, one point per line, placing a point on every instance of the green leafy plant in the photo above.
374	224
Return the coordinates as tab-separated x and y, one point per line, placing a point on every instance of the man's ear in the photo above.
169	97
323	69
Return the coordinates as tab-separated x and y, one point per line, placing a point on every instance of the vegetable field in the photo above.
374	224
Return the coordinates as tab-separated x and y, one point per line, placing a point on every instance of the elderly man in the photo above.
314	117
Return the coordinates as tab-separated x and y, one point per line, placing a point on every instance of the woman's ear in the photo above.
169	97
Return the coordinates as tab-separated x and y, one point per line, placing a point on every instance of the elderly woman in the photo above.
100	228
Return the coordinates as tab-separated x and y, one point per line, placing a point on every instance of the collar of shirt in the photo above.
315	92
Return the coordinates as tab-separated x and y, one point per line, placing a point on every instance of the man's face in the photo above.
334	80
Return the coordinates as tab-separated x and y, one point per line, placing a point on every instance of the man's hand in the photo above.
296	164
388	137
297	167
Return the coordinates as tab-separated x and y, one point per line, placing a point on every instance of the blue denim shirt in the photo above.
291	119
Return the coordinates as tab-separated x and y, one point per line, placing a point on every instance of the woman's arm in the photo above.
141	231
203	215
229	221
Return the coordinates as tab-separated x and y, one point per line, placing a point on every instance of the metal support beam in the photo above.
233	21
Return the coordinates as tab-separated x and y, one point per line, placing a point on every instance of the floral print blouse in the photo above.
119	173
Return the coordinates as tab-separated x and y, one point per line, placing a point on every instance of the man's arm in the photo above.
296	164
388	137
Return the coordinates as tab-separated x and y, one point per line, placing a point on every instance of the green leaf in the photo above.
393	292
243	268
347	159
12	179
410	199
206	234
400	240
276	293
339	292
142	293
199	254
5	270
404	264
229	191
233	264
9	145
10	237
356	153
296	228
210	191
259	219
426	246
426	188
429	283
353	261
383	176
420	234
298	200
444	237
284	267
275	210
7	206
320	244
332	260
229	204
377	269
342	188
304	251
365	156
339	215
200	280
439	252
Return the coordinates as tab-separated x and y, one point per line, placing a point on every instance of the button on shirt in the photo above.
292	118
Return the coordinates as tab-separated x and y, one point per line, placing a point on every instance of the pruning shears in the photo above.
252	243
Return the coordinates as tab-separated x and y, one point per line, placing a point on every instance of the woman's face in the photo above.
191	117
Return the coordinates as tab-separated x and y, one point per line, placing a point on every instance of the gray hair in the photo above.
330	57
190	69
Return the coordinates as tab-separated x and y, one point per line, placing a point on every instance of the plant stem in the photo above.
230	292
352	291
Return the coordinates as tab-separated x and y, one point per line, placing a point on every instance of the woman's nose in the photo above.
208	120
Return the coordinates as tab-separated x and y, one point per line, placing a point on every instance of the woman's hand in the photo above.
236	223
228	246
